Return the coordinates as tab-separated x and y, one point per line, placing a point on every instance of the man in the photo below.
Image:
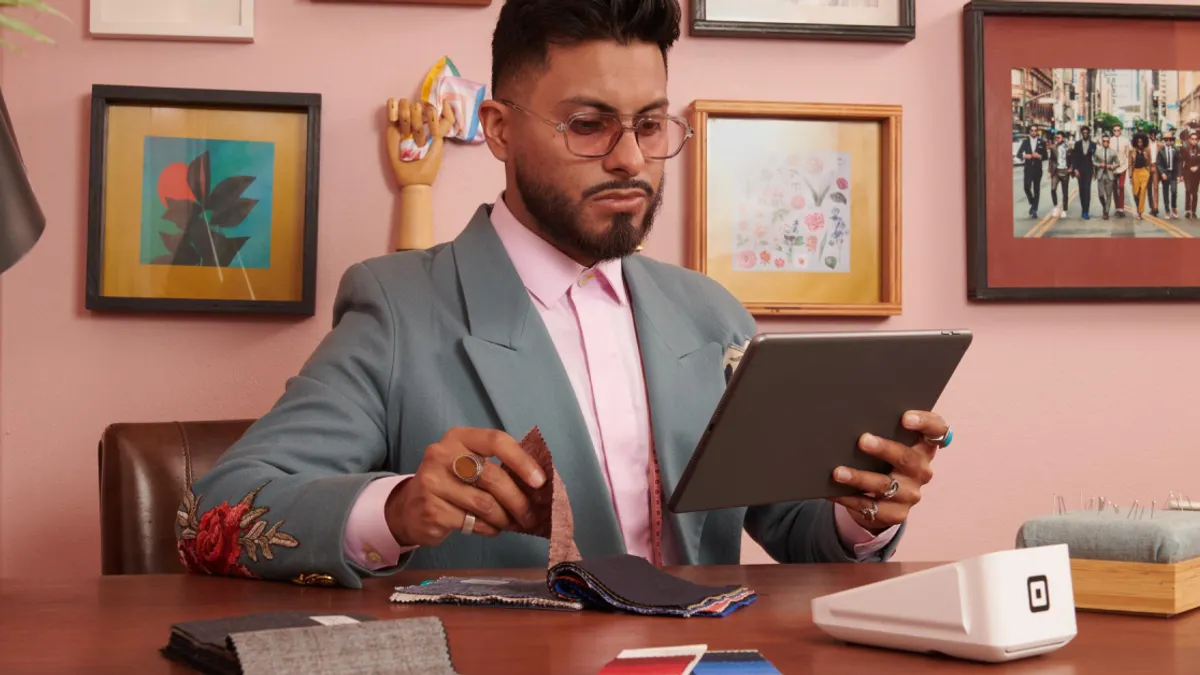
1168	175
1189	163
1152	189
1120	147
1082	154
1061	167
1104	160
538	314
1033	150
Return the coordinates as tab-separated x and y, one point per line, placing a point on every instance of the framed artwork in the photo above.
472	3
202	200
796	207
1061	205
218	20
843	20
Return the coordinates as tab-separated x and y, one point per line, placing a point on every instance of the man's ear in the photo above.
494	118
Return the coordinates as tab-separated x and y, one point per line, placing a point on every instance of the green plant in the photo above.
9	23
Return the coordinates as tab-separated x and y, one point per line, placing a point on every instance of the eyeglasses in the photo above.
596	134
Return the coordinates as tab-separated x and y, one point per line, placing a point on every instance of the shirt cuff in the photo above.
368	540
857	539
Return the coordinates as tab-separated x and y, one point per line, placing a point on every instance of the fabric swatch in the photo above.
550	503
500	592
392	647
655	661
735	662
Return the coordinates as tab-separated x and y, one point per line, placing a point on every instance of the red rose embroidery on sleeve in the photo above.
213	542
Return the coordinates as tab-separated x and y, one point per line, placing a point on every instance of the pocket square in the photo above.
733	357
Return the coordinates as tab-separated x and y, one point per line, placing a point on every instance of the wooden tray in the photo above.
1139	588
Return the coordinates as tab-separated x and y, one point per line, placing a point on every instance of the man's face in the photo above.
1104	141
1058	139
1193	139
1087	133
593	209
1116	131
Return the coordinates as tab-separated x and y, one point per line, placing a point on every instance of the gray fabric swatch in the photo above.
1169	537
392	647
492	591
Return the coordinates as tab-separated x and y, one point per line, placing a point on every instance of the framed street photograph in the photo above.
841	20
1083	164
202	200
207	20
796	207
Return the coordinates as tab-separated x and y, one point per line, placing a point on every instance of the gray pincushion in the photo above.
1169	537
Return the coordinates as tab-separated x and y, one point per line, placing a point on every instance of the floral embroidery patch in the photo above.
213	542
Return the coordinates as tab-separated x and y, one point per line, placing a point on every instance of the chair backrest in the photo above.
145	470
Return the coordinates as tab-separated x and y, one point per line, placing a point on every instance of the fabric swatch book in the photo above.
315	643
688	660
617	583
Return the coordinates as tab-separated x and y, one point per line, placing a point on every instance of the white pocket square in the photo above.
733	357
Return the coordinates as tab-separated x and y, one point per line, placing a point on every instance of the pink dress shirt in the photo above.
588	314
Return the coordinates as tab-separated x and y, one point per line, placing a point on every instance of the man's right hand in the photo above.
424	509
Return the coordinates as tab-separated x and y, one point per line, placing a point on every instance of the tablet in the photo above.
796	406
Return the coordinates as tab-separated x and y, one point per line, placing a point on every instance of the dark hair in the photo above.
527	28
1141	136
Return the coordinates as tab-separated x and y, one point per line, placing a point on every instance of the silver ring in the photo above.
943	440
469	524
870	512
891	490
464	473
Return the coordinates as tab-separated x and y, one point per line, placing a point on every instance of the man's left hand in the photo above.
877	510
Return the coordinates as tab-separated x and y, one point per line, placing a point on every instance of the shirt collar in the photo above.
547	272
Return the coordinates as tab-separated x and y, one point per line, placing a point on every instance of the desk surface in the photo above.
117	625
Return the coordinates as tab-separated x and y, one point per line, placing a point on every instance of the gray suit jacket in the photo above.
425	341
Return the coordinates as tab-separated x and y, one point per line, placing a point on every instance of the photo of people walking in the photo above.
1105	153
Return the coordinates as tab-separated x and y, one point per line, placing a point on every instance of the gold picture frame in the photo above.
801	213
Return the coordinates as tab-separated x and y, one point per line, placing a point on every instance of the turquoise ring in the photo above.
942	441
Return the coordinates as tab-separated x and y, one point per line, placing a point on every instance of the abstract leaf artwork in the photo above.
207	203
792	215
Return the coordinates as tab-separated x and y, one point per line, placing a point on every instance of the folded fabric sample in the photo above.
628	583
735	662
551	506
495	592
443	86
204	645
391	647
656	661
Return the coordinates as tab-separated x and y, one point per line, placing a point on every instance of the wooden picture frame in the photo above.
202	200
124	19
462	3
707	22
796	207
1021	246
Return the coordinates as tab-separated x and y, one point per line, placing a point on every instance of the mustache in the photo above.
631	184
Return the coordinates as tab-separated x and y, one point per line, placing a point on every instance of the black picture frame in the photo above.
103	97
975	107
906	31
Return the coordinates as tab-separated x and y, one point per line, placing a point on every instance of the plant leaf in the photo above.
171	241
831	261
248	500
257	530
182	519
227	248
838	197
39	5
7	22
284	539
251	548
266	549
180	211
199	176
227	191
233	214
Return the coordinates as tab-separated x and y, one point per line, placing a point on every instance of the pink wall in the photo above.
1055	398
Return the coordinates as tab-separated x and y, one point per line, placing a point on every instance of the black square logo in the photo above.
1039	593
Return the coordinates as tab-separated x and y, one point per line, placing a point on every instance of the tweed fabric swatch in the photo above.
387	647
494	591
550	502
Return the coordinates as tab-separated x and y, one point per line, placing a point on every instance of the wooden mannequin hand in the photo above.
410	117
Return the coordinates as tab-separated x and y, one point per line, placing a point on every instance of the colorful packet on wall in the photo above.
444	86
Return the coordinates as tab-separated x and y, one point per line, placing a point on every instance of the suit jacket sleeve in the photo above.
801	532
276	503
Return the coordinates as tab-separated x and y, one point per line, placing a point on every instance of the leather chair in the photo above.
145	470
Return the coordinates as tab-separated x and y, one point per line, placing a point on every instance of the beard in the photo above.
558	217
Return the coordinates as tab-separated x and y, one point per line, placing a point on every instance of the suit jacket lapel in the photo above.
520	370
684	382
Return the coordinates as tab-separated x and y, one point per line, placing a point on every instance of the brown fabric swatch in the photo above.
550	503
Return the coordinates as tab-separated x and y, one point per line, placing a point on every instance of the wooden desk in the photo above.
117	625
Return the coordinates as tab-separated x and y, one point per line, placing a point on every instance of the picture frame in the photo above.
895	21
202	200
1022	243
462	3
208	20
796	207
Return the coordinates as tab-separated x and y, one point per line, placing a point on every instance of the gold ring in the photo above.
467	467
